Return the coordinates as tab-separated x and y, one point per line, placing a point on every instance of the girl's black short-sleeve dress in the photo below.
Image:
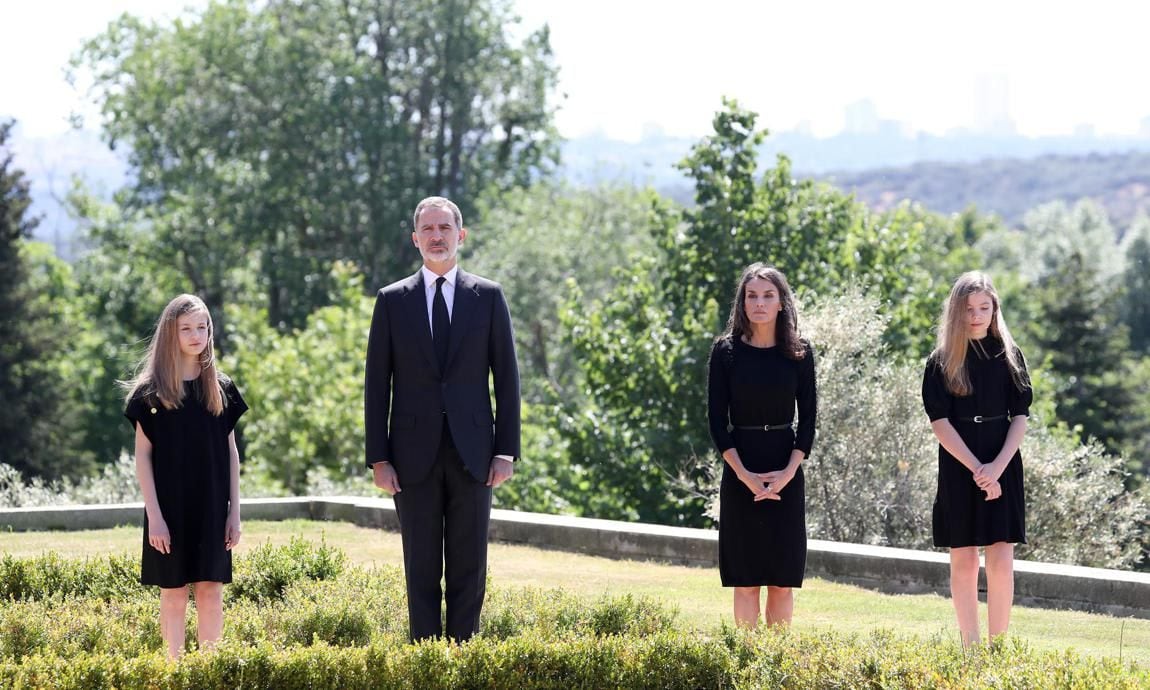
191	466
764	542
962	516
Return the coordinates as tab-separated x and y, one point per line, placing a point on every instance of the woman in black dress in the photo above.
977	394
184	414
759	372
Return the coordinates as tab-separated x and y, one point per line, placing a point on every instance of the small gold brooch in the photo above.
153	410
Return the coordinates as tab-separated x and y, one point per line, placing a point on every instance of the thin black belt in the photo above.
979	419
765	427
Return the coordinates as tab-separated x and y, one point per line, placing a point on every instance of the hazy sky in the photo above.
627	64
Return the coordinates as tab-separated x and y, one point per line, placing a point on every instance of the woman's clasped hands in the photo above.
766	486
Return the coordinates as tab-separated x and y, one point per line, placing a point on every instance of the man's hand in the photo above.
385	477
501	470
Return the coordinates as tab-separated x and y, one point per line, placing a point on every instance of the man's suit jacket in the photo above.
404	381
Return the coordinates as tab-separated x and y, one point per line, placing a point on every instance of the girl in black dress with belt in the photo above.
184	413
977	394
759	372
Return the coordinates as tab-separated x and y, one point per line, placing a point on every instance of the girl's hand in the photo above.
757	482
987	474
993	491
158	536
232	532
996	468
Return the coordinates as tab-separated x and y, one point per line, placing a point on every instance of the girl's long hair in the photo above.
787	321
954	339
159	372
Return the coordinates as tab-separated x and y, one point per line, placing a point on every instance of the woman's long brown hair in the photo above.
786	323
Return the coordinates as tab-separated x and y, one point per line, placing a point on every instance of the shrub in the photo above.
21	635
1075	489
338	613
115	483
50	575
628	615
268	570
871	474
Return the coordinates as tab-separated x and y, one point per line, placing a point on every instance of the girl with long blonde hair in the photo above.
184	413
977	394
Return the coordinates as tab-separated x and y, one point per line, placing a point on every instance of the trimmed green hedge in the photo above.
263	574
668	660
299	617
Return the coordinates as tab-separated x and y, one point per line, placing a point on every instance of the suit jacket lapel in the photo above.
462	311
416	300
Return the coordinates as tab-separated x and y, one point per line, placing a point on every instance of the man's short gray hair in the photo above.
436	202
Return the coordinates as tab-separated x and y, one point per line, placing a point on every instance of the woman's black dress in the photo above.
191	466
962	516
764	542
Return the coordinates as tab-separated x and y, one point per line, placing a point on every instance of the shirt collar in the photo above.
430	276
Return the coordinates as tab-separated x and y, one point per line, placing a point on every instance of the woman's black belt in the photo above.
765	427
979	419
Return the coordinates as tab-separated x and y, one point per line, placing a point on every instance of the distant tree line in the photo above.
1008	187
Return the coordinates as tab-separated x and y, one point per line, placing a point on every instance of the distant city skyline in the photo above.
626	68
1037	69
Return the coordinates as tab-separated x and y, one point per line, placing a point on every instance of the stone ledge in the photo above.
1115	592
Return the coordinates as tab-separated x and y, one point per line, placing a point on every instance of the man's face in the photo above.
437	237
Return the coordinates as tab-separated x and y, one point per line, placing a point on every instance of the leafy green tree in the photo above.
1086	345
908	258
37	428
1077	303
534	241
1054	231
307	386
1136	285
307	132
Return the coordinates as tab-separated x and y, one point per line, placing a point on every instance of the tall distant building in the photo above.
860	117
652	131
992	105
1084	131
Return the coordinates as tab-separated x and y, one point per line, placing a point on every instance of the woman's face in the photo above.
979	312
762	301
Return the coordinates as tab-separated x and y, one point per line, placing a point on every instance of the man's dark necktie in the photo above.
440	324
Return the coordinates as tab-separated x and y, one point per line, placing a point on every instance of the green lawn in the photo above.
695	592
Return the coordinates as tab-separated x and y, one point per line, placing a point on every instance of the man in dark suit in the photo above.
438	338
